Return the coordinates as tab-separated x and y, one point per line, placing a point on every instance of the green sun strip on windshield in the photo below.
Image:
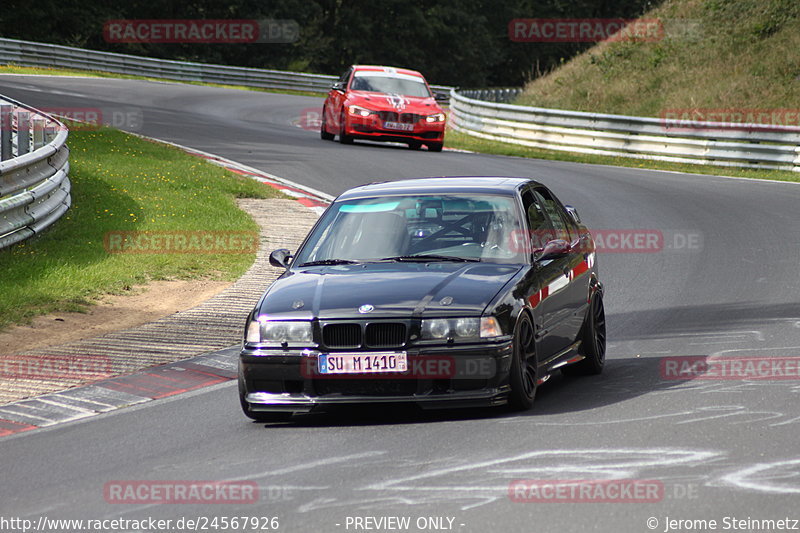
369	208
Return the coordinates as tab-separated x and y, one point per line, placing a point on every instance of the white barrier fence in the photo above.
31	54
708	143
34	168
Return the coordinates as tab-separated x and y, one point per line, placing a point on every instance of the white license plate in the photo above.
363	363
398	126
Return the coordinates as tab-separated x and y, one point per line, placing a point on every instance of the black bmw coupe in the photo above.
445	292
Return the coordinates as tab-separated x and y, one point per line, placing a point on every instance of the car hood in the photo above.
394	102
392	289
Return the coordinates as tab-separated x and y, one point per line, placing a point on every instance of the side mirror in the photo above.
573	214
553	249
280	258
337	86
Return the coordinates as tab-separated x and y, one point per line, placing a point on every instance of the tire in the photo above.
343	137
259	416
523	366
415	145
435	147
593	341
323	133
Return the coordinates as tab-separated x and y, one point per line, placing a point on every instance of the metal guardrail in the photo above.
502	96
31	54
705	143
34	168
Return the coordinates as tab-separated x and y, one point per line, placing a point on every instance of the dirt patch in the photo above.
112	313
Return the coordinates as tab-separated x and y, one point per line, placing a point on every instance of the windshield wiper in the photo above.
431	257
328	262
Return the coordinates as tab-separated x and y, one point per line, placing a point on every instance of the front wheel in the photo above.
523	366
435	147
344	138
323	131
593	340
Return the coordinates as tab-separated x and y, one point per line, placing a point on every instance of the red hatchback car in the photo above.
383	104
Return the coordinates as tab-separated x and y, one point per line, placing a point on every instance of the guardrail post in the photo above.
23	132
50	131
5	132
38	132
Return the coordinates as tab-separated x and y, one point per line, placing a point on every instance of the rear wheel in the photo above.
523	366
435	147
323	132
257	416
593	341
344	138
415	145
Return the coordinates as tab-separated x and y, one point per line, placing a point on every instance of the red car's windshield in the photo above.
390	84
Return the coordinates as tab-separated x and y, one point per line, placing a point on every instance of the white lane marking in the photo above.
786	422
639	458
758	335
306	466
759	478
54	91
733	410
794	351
68	77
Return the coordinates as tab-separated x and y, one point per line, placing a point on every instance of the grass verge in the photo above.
14	69
123	183
462	141
735	55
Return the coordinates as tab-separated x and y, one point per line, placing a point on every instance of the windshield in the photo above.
463	227
381	82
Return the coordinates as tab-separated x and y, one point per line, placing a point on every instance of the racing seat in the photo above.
380	235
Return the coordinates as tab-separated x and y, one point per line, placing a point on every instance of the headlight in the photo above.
358	110
438	328
438	117
460	328
278	332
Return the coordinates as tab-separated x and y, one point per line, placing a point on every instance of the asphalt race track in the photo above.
725	281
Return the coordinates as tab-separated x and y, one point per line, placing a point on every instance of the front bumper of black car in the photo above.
455	376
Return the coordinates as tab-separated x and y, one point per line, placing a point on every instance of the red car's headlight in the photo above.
358	111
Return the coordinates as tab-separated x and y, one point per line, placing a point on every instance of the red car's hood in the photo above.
394	102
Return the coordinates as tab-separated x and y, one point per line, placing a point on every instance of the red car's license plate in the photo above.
398	126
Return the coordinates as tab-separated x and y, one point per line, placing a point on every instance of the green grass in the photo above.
740	54
14	69
124	183
462	141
